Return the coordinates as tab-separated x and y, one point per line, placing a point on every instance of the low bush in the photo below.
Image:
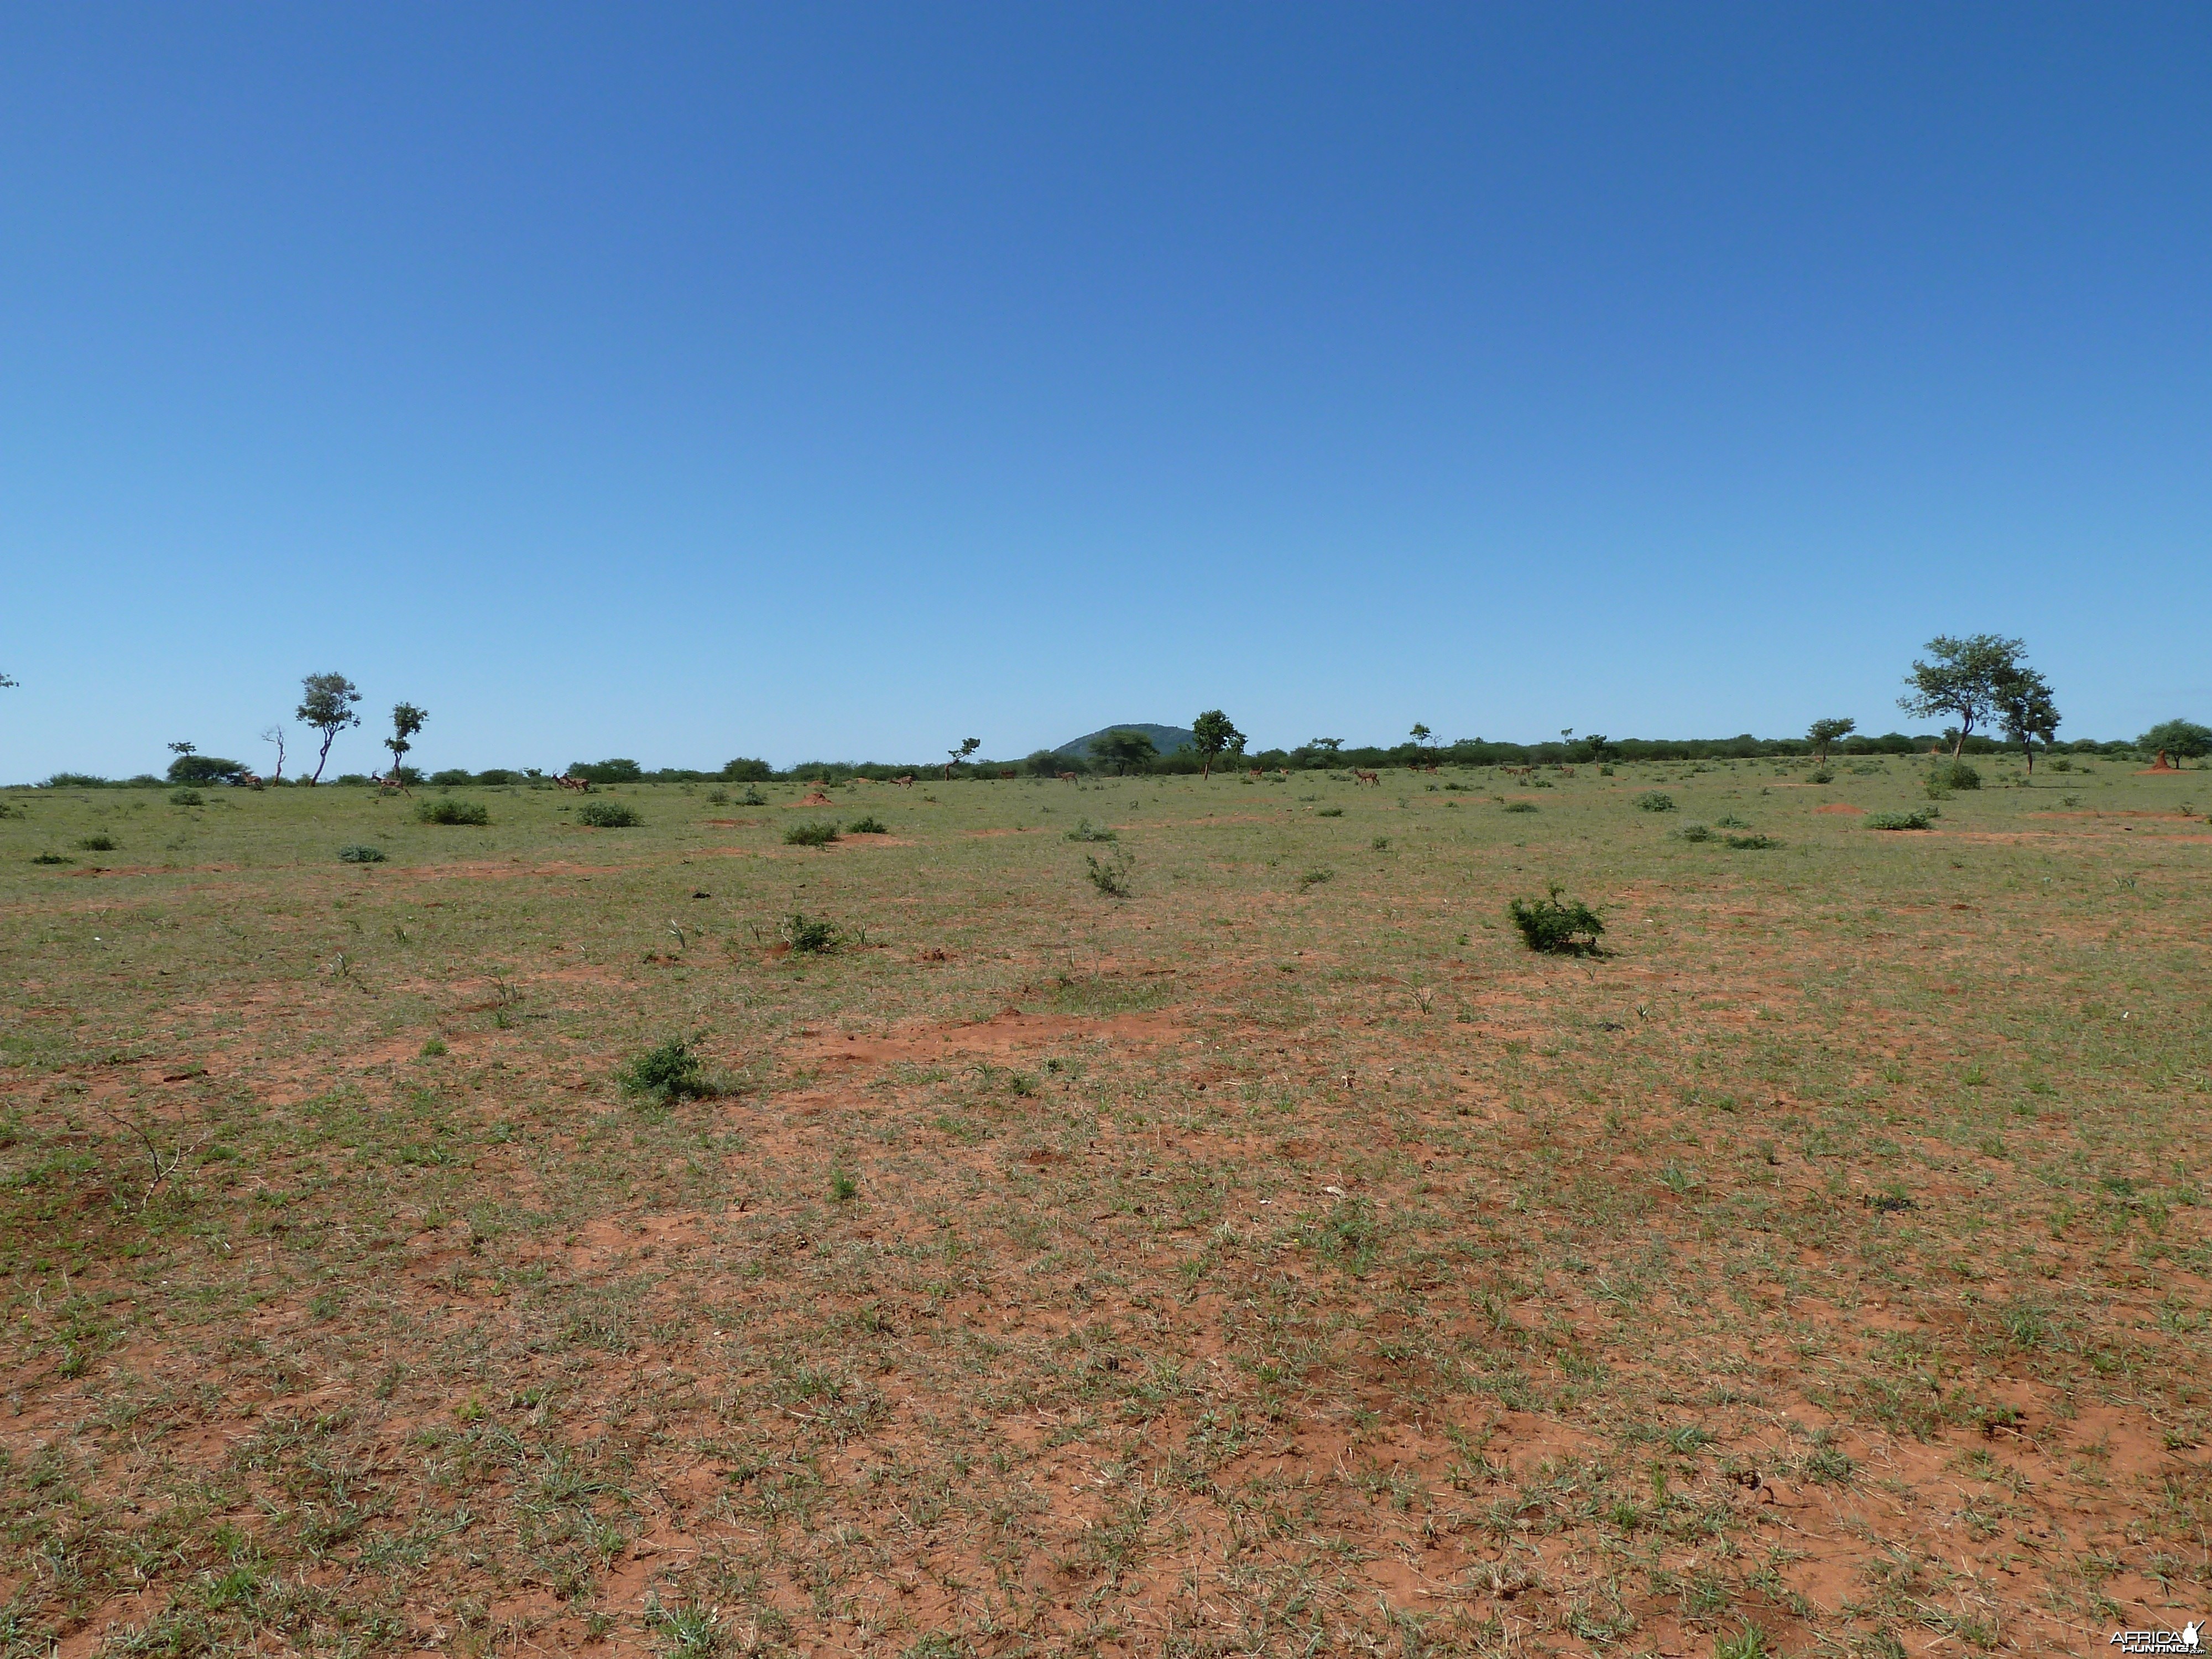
870	825
1753	842
1729	821
809	935
667	1072
99	843
1947	775
1315	878
1823	776
51	858
361	854
1570	928
453	811
1111	879
450	777
1519	806
810	835
1655	800
1330	812
752	797
607	815
1918	819
1085	831
1693	832
187	798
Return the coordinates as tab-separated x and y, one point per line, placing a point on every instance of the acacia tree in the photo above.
1824	733
2182	739
1211	735
1125	750
327	706
1963	681
2024	703
406	721
1421	734
968	746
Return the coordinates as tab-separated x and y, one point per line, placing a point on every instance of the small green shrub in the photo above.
434	1049
1563	929
811	834
358	854
667	1072
453	811
1919	818
808	935
607	815
842	1187
1085	830
1314	878
1693	832
1330	812
450	777
1945	776
1822	774
1380	844
1111	879
1729	821
1518	806
51	858
1655	800
752	797
102	842
1752	843
187	798
870	825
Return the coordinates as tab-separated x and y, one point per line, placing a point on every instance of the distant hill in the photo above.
1165	739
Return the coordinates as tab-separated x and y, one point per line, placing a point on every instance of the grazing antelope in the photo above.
581	786
1359	777
906	783
1010	773
1257	774
1066	777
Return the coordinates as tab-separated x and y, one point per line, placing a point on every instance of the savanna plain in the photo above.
1274	1256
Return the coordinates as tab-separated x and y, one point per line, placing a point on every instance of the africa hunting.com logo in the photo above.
2188	1639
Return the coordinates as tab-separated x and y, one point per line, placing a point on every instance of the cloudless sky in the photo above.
840	381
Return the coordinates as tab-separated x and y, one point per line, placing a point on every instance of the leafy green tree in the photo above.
1824	733
406	721
1421	734
1125	750
2182	739
326	706
1213	736
1962	680
2023	703
968	746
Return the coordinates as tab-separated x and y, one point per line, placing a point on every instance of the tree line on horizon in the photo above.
1981	683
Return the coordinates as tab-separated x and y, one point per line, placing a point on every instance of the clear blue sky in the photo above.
840	381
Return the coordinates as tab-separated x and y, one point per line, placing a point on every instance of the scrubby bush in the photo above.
453	811
1083	830
1569	928
870	825
359	853
1729	821
752	797
1693	832
1655	800
809	935
1919	819
1112	879
204	768
187	798
1519	806
1823	776
1330	812
607	815
748	771
606	771
51	858
810	835
102	842
450	777
498	774
667	1072
1752	843
1947	775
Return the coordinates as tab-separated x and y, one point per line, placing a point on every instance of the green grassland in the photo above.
1272	1256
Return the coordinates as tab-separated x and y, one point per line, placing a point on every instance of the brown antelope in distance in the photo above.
581	786
906	783
1257	774
1066	777
1360	777
393	785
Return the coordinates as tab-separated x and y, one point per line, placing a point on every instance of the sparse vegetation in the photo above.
811	834
361	853
1655	800
1921	818
668	1072
809	936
